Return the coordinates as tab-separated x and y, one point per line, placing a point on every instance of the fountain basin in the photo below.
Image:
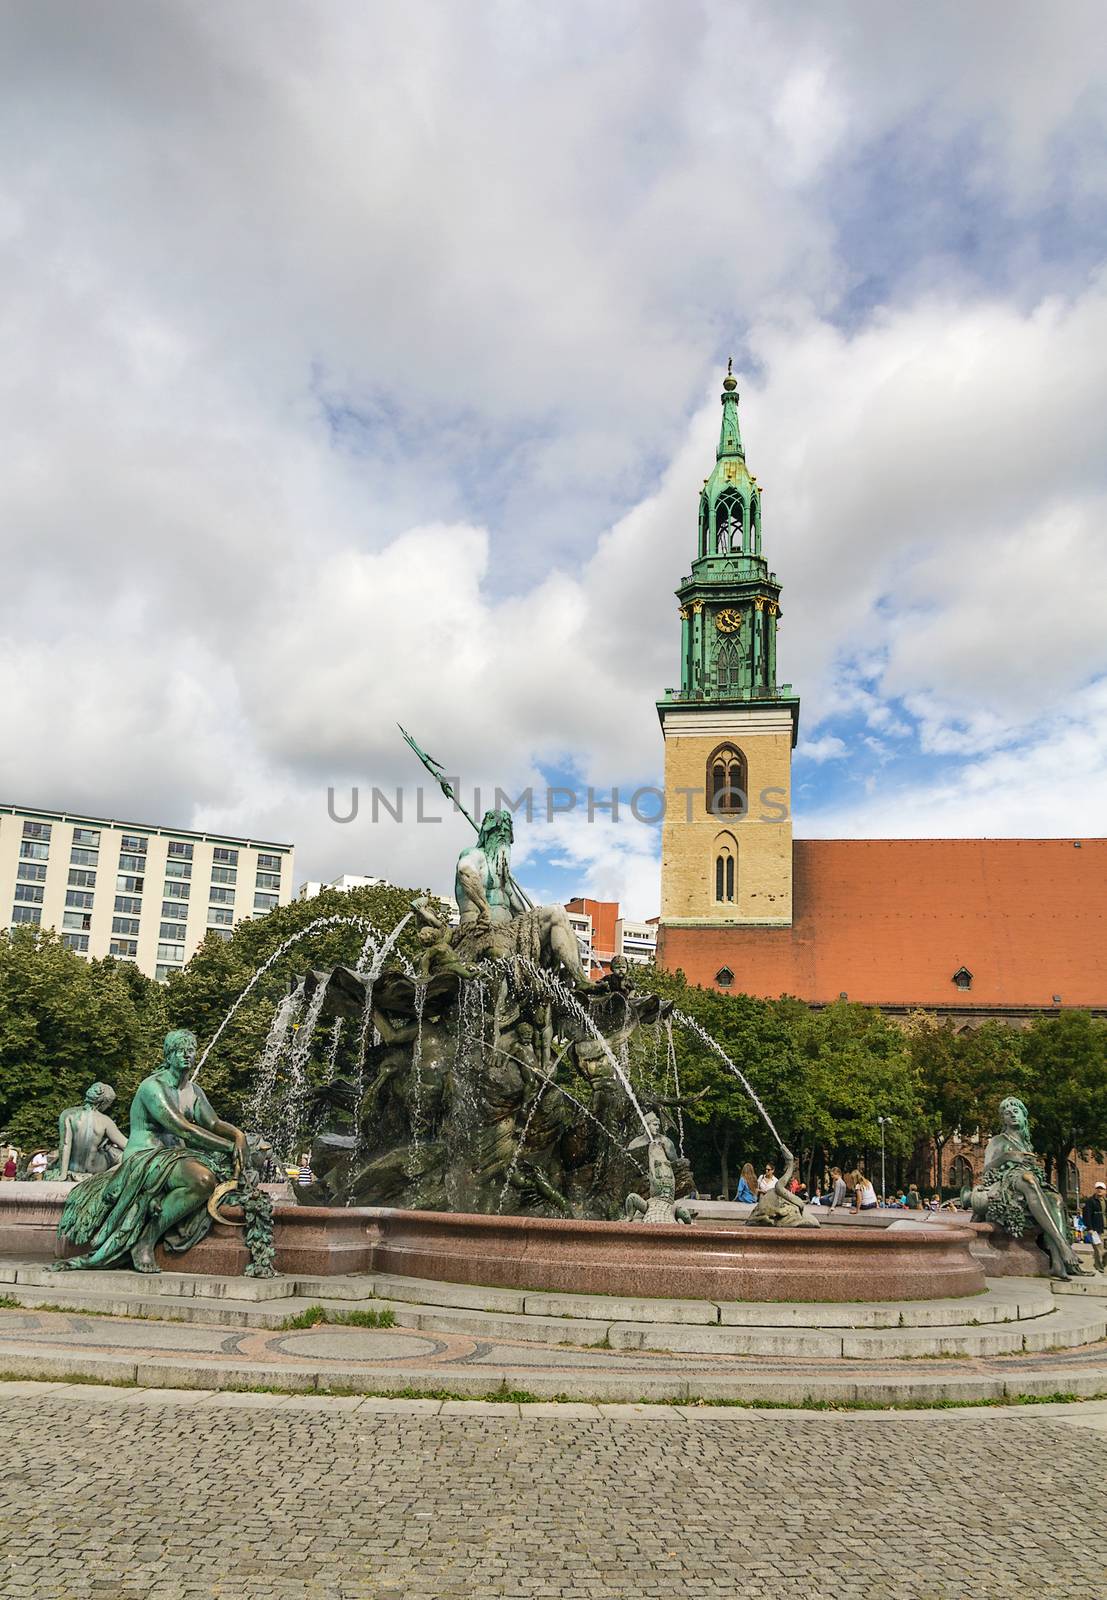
639	1260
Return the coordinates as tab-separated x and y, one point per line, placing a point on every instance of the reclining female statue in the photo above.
1013	1193
177	1152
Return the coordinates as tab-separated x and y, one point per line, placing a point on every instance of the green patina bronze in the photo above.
730	602
178	1154
1015	1196
88	1139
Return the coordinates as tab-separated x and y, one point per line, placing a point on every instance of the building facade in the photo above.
139	893
602	934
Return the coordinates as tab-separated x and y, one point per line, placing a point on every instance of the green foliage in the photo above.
314	1315
1065	1061
65	1022
201	995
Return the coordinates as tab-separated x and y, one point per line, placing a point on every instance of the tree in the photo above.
64	1023
1065	1057
962	1077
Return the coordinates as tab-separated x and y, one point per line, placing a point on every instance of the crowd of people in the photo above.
851	1190
20	1164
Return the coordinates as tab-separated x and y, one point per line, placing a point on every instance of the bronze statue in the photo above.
662	1205
778	1207
1013	1192
88	1139
174	1160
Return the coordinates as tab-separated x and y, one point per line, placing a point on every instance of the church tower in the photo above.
726	854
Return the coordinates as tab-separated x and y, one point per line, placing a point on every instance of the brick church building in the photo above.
964	928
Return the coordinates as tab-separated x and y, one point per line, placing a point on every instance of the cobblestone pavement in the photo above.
134	1496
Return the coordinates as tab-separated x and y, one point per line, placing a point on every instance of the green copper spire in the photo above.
730	434
730	602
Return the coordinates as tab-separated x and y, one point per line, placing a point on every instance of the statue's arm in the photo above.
206	1118
65	1128
170	1120
113	1136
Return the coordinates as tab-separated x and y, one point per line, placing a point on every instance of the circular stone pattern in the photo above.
358	1344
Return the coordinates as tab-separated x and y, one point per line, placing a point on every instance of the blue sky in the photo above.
363	367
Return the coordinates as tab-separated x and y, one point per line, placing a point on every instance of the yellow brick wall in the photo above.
688	848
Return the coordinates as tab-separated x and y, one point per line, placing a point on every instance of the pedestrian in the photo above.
747	1185
11	1167
767	1180
838	1193
914	1199
864	1195
38	1164
1095	1222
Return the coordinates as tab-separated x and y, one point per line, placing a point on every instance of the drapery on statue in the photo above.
496	919
88	1139
1014	1194
662	1205
177	1153
778	1207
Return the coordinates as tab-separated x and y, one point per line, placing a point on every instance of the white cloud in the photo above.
827	748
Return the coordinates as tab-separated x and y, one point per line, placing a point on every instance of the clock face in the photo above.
728	621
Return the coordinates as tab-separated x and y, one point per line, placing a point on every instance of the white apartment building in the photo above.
581	924
348	880
637	941
144	894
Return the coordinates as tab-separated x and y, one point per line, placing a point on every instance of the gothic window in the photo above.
753	522
724	977
705	525
728	668
726	781
960	1173
726	869
728	523
963	978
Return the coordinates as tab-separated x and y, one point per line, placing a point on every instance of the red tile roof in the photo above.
889	922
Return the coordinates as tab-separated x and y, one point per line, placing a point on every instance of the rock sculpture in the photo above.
88	1140
662	1205
778	1207
177	1154
1014	1194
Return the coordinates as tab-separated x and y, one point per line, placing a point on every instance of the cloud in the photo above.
363	367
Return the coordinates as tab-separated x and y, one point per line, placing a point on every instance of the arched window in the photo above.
960	1173
705	524
726	781
724	977
726	869
728	522
754	512
728	667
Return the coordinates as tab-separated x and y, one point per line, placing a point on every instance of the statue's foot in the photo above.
142	1258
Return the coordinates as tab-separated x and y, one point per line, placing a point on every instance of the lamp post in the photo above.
883	1183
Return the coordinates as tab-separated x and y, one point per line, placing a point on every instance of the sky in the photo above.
361	366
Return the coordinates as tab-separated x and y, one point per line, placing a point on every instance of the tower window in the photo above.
726	869
726	781
728	523
728	667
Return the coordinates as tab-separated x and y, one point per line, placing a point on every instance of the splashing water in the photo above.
259	1113
332	1049
420	1001
693	1026
674	1070
312	927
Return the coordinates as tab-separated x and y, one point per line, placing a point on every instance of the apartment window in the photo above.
34	850
170	952
269	863
180	850
224	875
83	858
80	879
171	930
128	925
264	902
130	863
126	948
229	858
179	891
171	909
220	916
37	830
29	891
222	933
178	869
76	941
126	884
134	843
32	871
161	972
89	836
79	897
30	914
81	920
128	903
269	880
221	897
